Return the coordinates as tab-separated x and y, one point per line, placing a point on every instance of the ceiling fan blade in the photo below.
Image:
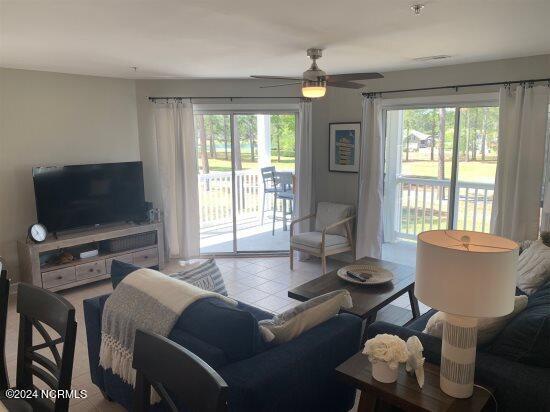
345	85
276	77
354	76
279	85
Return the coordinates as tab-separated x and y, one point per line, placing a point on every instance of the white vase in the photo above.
383	373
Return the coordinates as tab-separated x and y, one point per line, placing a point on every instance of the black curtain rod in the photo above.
457	86
220	97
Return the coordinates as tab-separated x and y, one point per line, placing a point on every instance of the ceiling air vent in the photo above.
431	58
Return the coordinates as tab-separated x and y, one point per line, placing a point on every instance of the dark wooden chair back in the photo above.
169	367
39	307
4	296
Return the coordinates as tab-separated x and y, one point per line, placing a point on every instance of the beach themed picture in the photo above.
344	147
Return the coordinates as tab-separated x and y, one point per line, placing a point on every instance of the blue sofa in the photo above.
295	376
516	364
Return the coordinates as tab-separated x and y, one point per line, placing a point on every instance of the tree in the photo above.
211	136
441	166
236	150
466	146
432	148
225	135
484	134
202	140
474	140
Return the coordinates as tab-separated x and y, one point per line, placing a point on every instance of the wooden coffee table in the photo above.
367	300
405	393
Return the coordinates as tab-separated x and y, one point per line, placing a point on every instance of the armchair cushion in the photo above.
313	240
329	213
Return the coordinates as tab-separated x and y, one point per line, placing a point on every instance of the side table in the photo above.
405	392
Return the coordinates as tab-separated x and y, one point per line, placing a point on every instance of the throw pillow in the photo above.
204	274
526	338
119	270
293	322
534	267
487	328
329	213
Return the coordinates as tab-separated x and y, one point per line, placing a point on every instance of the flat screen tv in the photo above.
69	197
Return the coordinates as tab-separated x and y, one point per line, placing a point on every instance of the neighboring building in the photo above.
417	140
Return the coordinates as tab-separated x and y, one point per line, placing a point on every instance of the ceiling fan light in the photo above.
314	89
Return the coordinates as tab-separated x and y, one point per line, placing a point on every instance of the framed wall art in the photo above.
344	147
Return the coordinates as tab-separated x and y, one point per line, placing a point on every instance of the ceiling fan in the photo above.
314	81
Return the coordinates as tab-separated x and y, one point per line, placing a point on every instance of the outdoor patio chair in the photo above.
270	187
332	233
284	192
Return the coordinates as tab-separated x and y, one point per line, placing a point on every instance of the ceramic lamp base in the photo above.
383	373
458	356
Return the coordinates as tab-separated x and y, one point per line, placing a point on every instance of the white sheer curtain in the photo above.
303	204
371	178
545	218
521	147
177	164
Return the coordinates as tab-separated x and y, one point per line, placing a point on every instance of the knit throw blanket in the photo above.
147	300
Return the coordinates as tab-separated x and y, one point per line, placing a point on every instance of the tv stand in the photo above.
78	272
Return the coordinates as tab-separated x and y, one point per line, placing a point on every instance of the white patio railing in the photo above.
215	200
423	204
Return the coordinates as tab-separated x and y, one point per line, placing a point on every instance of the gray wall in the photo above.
56	119
345	105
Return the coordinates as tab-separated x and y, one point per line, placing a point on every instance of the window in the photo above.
440	169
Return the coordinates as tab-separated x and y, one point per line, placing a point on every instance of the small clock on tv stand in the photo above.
37	233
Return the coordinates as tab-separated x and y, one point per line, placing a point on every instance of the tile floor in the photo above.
262	282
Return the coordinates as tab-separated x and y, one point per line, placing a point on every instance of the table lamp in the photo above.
467	275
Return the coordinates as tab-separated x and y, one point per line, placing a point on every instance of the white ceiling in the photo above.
236	38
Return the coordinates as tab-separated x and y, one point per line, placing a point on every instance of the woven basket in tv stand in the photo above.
56	277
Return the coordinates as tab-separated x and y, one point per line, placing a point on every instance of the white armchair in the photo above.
332	233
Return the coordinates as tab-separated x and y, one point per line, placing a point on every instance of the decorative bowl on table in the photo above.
365	274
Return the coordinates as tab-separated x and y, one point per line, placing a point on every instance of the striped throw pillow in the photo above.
204	274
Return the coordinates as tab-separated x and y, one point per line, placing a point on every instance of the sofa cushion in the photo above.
204	274
329	213
534	267
313	240
487	328
236	332
119	270
212	355
293	322
526	338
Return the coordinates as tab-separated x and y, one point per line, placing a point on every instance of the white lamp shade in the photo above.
466	273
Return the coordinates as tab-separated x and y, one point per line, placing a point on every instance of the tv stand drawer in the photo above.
58	277
127	258
146	258
90	270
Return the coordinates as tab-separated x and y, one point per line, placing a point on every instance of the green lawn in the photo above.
222	165
467	171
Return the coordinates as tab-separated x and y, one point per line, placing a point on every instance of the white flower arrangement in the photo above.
387	348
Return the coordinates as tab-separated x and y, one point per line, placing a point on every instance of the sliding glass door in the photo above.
476	168
214	151
246	190
440	168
